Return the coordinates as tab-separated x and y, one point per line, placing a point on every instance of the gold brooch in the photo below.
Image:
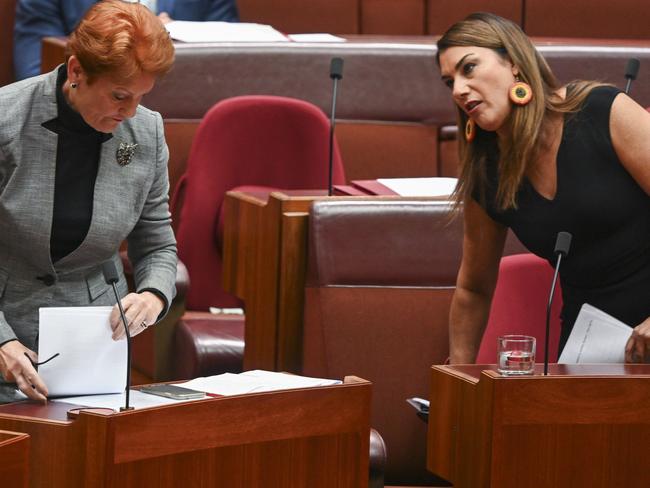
125	152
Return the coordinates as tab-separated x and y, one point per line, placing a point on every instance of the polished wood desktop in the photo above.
14	459
583	426
316	437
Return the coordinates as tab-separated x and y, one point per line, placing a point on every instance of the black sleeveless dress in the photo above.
605	210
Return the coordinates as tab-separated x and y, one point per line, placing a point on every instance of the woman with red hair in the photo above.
82	167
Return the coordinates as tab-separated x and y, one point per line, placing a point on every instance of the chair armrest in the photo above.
206	344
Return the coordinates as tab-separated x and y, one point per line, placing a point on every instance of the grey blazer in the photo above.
130	202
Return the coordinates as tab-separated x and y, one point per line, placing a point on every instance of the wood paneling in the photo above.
268	440
581	426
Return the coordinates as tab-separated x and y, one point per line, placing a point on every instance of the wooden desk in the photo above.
315	437
583	426
265	260
14	459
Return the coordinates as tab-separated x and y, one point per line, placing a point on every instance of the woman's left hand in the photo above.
637	349
141	310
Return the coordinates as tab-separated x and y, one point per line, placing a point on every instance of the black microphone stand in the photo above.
128	349
336	73
562	245
111	277
631	72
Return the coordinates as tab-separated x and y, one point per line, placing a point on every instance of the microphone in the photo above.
111	277
336	74
562	246
631	72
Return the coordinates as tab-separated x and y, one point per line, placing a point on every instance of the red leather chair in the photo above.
256	142
519	306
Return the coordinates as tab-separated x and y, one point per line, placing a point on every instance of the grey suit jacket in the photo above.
130	202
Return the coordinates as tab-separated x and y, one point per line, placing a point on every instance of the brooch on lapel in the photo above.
125	153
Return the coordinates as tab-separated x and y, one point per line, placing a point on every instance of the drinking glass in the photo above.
515	355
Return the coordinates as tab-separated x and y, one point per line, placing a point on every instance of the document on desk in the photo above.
596	338
255	381
89	361
420	187
187	31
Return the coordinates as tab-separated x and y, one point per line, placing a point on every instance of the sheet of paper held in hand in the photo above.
596	338
89	360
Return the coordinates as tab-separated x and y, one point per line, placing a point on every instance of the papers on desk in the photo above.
227	384
137	400
89	361
256	381
187	31
315	38
420	187
596	337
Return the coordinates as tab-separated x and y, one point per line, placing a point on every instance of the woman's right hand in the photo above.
15	366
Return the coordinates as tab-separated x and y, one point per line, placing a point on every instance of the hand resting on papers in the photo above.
15	366
637	349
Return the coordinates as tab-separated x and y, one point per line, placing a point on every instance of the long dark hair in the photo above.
522	145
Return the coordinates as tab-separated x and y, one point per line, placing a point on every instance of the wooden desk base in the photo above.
304	438
582	427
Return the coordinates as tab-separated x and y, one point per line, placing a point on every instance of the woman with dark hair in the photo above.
82	167
541	158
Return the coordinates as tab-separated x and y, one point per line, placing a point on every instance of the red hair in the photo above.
121	40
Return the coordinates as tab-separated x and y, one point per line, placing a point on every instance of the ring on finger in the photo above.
144	324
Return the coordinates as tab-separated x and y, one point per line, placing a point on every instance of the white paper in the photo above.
596	337
186	31
254	382
420	187
89	360
137	400
315	38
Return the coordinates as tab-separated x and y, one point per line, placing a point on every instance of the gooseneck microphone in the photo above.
111	277
562	246
631	72
336	73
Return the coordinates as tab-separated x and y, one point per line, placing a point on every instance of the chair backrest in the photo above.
260	141
380	279
519	306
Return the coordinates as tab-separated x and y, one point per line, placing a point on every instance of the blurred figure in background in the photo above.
36	19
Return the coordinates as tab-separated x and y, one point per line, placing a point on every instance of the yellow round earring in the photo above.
520	93
470	130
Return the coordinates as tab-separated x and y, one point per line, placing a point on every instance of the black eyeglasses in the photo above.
42	362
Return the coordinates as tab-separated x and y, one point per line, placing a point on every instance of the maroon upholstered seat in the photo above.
519	306
263	141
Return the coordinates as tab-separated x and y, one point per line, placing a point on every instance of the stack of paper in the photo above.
220	385
420	187
89	361
253	382
187	31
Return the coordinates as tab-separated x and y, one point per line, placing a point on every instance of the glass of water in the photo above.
516	354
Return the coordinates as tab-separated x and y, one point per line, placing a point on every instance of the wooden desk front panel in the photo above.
281	439
588	430
14	459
